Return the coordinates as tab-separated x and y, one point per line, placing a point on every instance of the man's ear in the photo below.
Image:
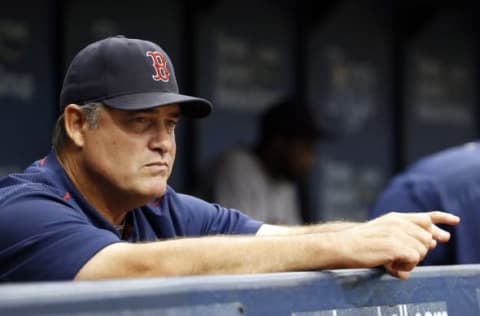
75	124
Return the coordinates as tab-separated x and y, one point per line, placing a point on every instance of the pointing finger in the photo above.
438	217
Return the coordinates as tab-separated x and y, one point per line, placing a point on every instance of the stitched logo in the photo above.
159	63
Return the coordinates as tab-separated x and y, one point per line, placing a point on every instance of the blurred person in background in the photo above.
266	180
447	180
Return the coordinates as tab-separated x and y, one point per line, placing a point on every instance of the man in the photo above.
264	180
98	206
447	180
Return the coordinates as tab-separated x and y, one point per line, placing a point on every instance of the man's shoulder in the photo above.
32	183
454	160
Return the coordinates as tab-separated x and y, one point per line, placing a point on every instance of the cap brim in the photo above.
190	106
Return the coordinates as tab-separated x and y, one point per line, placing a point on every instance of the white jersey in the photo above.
240	182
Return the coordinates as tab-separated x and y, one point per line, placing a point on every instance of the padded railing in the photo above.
431	291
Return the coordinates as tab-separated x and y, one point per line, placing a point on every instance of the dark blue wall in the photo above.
27	82
388	98
349	85
440	83
244	62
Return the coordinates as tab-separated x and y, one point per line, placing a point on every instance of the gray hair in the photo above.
60	136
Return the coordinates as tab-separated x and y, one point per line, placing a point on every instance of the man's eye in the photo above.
140	120
140	123
171	125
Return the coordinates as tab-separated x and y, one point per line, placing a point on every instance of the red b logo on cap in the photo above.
159	63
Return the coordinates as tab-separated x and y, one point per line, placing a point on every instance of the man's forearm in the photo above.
269	230
213	255
397	241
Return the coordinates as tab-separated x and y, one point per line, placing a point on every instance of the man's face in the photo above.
133	152
301	158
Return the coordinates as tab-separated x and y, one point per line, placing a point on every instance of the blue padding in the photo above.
434	291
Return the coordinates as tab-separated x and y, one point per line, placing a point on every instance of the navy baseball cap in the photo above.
126	74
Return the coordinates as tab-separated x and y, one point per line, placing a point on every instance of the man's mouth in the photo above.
157	166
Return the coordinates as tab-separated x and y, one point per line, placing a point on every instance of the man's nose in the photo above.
161	138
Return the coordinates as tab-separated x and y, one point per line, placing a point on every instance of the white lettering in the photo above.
246	74
415	309
428	313
348	187
16	85
231	47
238	98
440	92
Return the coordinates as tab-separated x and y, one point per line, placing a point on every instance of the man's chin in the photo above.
150	190
157	190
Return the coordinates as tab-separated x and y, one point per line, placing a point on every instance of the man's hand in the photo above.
398	241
